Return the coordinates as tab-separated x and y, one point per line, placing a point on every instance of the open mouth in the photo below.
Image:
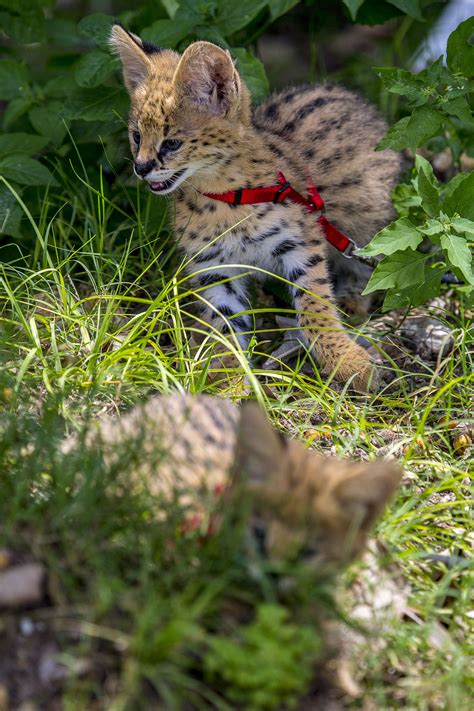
158	186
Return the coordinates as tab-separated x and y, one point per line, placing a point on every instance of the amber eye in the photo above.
171	144
136	137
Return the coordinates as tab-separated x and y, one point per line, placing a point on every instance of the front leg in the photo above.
224	301
319	320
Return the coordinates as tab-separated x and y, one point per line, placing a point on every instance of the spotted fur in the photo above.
197	446
325	134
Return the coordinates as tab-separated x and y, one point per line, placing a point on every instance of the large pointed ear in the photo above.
260	451
135	62
364	496
206	75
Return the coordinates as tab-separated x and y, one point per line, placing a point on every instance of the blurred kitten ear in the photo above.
260	450
132	54
207	76
364	496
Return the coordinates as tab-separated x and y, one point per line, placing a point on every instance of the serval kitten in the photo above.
201	448
191	127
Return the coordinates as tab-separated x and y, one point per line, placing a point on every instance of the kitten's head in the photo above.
185	109
313	503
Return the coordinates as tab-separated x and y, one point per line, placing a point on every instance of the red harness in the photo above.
282	191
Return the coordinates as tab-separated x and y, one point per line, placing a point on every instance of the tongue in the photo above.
156	185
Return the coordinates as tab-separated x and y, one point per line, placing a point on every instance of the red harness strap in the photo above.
282	191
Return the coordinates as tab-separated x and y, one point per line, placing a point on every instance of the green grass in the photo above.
93	320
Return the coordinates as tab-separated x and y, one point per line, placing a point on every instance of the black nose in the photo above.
143	169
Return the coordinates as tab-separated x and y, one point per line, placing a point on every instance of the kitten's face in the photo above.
307	502
184	109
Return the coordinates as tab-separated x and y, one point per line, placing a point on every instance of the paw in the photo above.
360	369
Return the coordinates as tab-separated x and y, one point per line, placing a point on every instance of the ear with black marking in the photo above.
206	75
133	55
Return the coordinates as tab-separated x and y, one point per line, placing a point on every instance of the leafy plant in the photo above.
435	230
271	665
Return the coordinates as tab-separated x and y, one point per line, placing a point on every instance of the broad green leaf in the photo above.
396	136
21	143
409	7
460	200
168	33
432	227
401	270
280	7
417	294
405	198
13	80
100	104
25	171
376	12
462	225
63	33
10	213
458	107
423	124
94	68
234	16
97	27
48	121
400	81
398	236
459	254
422	164
460	50
252	72
59	87
429	194
15	109
353	6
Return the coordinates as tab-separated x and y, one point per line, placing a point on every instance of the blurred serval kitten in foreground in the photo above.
203	448
191	127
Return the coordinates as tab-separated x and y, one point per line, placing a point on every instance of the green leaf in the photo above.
234	16
21	143
280	7
15	109
171	6
460	200
10	213
94	68
168	33
401	269
252	72
100	104
97	27
459	254
396	136
432	227
13	79
375	12
25	22
400	235
417	294
353	6
458	107
25	171
400	81
462	225
409	7
48	121
429	194
423	124
460	50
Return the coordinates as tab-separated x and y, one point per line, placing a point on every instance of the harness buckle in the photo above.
348	251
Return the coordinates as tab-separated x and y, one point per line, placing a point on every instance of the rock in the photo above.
22	585
427	337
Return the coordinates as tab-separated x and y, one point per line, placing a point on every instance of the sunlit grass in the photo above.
98	318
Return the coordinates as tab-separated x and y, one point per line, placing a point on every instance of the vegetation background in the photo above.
93	315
